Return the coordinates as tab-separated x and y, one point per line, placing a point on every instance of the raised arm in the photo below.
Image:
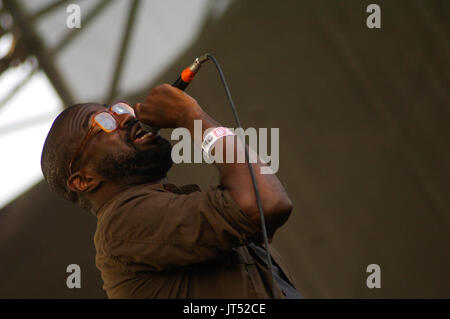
169	107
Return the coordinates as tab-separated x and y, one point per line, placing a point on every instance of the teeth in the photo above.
145	136
148	134
142	131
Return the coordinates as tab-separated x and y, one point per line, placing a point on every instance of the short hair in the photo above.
59	148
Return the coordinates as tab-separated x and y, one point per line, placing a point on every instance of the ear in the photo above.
81	182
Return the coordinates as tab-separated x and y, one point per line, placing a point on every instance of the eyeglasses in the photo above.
107	121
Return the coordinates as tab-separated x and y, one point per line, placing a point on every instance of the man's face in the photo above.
122	155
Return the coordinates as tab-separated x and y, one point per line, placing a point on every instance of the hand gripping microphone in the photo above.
184	79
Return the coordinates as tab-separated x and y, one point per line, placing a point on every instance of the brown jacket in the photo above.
161	241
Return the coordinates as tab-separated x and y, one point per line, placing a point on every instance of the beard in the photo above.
150	165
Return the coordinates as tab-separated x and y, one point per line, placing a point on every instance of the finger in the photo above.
137	108
142	111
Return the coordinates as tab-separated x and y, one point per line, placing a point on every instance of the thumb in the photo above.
137	108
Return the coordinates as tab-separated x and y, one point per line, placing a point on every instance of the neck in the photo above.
108	190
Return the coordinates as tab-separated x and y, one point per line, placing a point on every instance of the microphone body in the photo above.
180	84
188	74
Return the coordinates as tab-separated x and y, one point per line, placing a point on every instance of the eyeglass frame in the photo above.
89	134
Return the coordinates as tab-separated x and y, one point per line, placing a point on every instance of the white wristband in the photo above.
212	137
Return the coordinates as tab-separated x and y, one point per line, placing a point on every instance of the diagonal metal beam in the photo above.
34	46
47	9
86	21
123	49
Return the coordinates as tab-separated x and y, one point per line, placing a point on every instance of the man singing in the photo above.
154	239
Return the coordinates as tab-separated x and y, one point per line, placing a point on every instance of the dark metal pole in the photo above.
49	8
123	50
35	46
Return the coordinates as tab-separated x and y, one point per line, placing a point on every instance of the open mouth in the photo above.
140	136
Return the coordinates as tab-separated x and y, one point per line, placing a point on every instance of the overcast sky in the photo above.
21	137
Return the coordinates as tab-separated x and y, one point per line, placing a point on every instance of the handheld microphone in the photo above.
184	79
188	74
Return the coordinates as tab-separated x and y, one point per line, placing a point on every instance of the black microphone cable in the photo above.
250	168
181	83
